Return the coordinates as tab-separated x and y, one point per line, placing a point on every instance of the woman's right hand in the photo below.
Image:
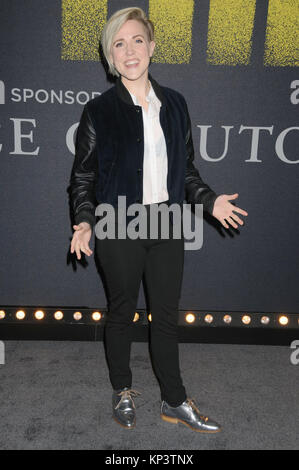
81	238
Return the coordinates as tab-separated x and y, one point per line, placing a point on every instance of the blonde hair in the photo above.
114	24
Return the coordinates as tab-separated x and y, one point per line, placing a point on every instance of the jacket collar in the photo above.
124	94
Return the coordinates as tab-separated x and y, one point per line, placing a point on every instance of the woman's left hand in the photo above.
224	211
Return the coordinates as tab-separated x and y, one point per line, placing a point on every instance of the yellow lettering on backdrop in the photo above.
82	23
173	30
230	32
229	39
282	33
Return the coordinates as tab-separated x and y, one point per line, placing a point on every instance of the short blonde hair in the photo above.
114	24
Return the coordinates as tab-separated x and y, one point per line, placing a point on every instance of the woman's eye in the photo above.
120	43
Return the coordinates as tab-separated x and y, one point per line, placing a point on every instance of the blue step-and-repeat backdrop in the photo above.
236	63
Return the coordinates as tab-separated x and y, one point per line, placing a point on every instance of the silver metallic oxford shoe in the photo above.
123	408
188	414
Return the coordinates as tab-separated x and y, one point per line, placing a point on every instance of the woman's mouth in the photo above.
131	63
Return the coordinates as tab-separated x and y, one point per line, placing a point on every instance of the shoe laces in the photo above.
191	402
126	394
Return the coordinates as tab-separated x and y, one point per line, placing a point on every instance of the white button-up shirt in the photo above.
155	153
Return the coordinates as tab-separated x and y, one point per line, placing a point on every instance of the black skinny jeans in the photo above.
124	261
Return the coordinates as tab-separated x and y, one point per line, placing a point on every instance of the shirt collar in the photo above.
150	97
124	94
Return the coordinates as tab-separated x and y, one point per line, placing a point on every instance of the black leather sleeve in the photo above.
84	172
196	190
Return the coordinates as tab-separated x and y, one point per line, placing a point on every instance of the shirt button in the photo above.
137	110
139	170
138	139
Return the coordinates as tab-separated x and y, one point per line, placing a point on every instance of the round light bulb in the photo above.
190	318
209	318
20	315
77	316
283	320
39	314
246	319
227	319
96	316
58	315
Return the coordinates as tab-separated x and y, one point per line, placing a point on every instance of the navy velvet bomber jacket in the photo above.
109	153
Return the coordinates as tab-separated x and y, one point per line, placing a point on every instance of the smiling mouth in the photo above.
132	64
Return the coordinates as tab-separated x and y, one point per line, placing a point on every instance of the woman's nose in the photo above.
130	49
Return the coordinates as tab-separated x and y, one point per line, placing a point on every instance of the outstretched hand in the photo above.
81	239
224	211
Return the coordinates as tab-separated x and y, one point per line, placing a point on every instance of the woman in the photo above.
135	140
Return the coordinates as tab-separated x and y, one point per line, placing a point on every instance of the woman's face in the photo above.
131	50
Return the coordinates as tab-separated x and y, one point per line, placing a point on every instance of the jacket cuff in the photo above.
207	199
85	216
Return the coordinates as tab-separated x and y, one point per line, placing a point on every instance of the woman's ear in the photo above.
152	47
